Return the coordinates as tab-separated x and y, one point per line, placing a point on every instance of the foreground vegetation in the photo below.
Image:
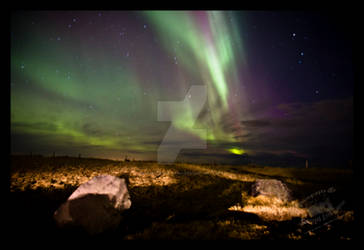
179	201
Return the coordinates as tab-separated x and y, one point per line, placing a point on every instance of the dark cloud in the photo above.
93	130
211	156
34	126
243	136
316	130
153	142
255	123
26	143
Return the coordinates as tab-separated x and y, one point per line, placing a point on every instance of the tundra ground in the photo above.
184	201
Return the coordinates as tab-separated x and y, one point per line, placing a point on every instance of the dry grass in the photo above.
48	177
178	201
271	208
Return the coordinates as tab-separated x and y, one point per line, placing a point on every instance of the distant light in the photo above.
236	151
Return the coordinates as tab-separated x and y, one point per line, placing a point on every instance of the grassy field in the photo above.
179	201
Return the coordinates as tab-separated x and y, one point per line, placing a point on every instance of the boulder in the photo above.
95	205
271	188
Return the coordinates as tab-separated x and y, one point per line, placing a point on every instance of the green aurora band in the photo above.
57	103
212	41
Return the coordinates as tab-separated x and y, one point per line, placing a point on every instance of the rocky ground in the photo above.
186	201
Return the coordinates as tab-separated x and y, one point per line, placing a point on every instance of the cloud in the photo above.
255	123
42	126
92	130
317	129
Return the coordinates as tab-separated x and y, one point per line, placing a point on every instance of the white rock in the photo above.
95	205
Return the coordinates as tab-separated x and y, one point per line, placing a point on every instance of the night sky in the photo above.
279	84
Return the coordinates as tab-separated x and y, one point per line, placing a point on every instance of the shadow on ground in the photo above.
152	207
163	212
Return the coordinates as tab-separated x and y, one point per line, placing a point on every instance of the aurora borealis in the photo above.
89	82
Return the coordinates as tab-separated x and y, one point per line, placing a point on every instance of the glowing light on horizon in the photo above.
236	151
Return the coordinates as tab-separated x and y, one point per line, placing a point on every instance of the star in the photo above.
74	20
316	91
302	54
299	62
58	39
145	26
22	66
69	25
294	34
